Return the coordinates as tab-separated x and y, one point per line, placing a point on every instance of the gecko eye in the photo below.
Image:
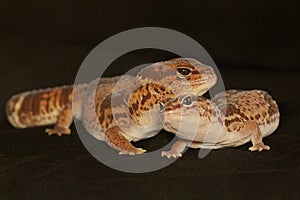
184	71
187	101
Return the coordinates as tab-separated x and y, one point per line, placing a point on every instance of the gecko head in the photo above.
180	76
188	116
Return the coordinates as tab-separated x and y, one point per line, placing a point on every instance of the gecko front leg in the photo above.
256	136
116	140
64	120
176	150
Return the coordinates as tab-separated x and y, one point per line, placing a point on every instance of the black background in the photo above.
255	44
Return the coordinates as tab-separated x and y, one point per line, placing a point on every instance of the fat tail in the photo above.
37	107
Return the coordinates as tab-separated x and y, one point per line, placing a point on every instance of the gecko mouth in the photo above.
172	114
207	81
198	87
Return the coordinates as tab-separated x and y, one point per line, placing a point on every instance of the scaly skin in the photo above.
114	110
231	119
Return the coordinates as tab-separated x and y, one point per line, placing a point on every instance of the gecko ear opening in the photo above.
161	107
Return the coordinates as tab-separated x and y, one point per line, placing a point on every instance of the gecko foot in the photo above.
131	153
171	154
259	147
58	131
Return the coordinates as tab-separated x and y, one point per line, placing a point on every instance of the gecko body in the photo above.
116	110
230	119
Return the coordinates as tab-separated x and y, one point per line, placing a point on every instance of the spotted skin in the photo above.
242	106
116	110
232	118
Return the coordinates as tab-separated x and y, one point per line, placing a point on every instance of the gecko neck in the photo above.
145	99
138	111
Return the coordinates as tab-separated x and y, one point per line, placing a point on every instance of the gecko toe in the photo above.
259	147
58	131
132	153
170	154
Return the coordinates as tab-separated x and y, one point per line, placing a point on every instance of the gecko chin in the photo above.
182	122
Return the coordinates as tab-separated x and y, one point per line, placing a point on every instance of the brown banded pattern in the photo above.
37	107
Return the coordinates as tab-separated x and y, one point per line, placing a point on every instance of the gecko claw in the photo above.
259	147
132	153
170	154
58	131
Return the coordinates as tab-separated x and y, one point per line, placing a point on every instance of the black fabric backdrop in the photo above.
255	44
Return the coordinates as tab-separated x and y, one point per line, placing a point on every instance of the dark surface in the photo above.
255	45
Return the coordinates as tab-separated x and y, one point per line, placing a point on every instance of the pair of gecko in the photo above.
122	109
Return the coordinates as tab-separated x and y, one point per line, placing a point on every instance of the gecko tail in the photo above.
12	110
37	107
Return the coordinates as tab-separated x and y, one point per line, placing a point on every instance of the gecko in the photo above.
232	118
115	115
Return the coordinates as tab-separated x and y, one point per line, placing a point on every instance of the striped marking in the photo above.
38	107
